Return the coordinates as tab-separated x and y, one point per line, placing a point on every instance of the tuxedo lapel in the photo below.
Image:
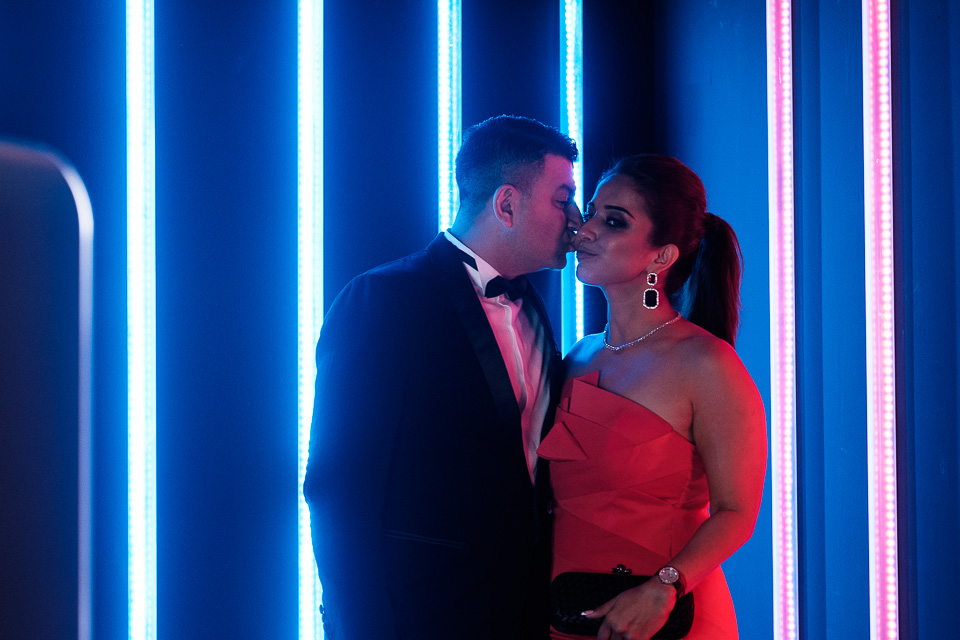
455	285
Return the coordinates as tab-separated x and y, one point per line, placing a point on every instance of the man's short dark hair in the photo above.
505	150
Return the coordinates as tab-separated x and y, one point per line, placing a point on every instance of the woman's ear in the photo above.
505	201
665	258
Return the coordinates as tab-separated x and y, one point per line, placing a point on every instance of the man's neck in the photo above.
489	245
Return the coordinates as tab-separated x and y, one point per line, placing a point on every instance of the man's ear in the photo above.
665	257
505	202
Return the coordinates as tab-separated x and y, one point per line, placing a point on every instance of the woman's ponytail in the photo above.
710	297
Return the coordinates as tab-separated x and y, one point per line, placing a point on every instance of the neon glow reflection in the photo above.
141	326
309	282
881	387
782	315
449	16
84	404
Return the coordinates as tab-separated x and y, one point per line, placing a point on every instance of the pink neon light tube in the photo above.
881	388
783	418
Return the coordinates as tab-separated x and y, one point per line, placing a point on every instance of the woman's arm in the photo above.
729	429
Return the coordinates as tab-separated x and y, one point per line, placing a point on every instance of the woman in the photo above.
658	453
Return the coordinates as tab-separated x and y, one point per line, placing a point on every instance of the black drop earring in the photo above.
651	297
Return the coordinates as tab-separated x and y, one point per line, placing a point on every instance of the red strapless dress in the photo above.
629	490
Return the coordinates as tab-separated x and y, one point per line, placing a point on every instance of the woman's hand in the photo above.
636	614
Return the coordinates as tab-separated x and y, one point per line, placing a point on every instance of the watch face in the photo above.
668	575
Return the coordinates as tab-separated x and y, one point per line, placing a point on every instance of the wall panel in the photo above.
832	399
226	241
380	149
929	183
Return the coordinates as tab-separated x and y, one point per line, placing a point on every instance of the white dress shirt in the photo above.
523	344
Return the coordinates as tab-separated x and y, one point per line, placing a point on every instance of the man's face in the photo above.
548	216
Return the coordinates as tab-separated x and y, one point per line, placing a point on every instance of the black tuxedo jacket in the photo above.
425	522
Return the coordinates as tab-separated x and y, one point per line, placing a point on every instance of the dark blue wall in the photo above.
380	118
831	339
226	94
928	199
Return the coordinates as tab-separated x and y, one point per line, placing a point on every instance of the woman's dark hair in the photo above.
704	282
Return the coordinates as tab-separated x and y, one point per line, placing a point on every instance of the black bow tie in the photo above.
514	288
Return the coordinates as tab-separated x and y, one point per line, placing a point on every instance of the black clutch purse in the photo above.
573	592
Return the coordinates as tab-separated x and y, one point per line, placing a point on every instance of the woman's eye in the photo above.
614	222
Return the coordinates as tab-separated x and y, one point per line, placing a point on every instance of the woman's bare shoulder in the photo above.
581	358
714	370
700	349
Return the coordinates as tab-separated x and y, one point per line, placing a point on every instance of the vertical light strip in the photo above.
571	47
881	389
141	326
449	16
309	280
783	421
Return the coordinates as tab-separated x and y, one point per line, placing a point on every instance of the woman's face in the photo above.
613	244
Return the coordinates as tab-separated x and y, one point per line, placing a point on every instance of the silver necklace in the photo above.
620	347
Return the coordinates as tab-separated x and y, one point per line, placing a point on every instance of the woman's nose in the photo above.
586	232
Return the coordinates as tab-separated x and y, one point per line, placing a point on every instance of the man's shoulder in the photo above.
404	278
401	267
396	273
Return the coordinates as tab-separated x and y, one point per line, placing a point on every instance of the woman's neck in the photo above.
628	319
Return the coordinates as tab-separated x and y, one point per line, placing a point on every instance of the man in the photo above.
432	390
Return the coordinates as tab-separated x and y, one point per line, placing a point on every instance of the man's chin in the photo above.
559	263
